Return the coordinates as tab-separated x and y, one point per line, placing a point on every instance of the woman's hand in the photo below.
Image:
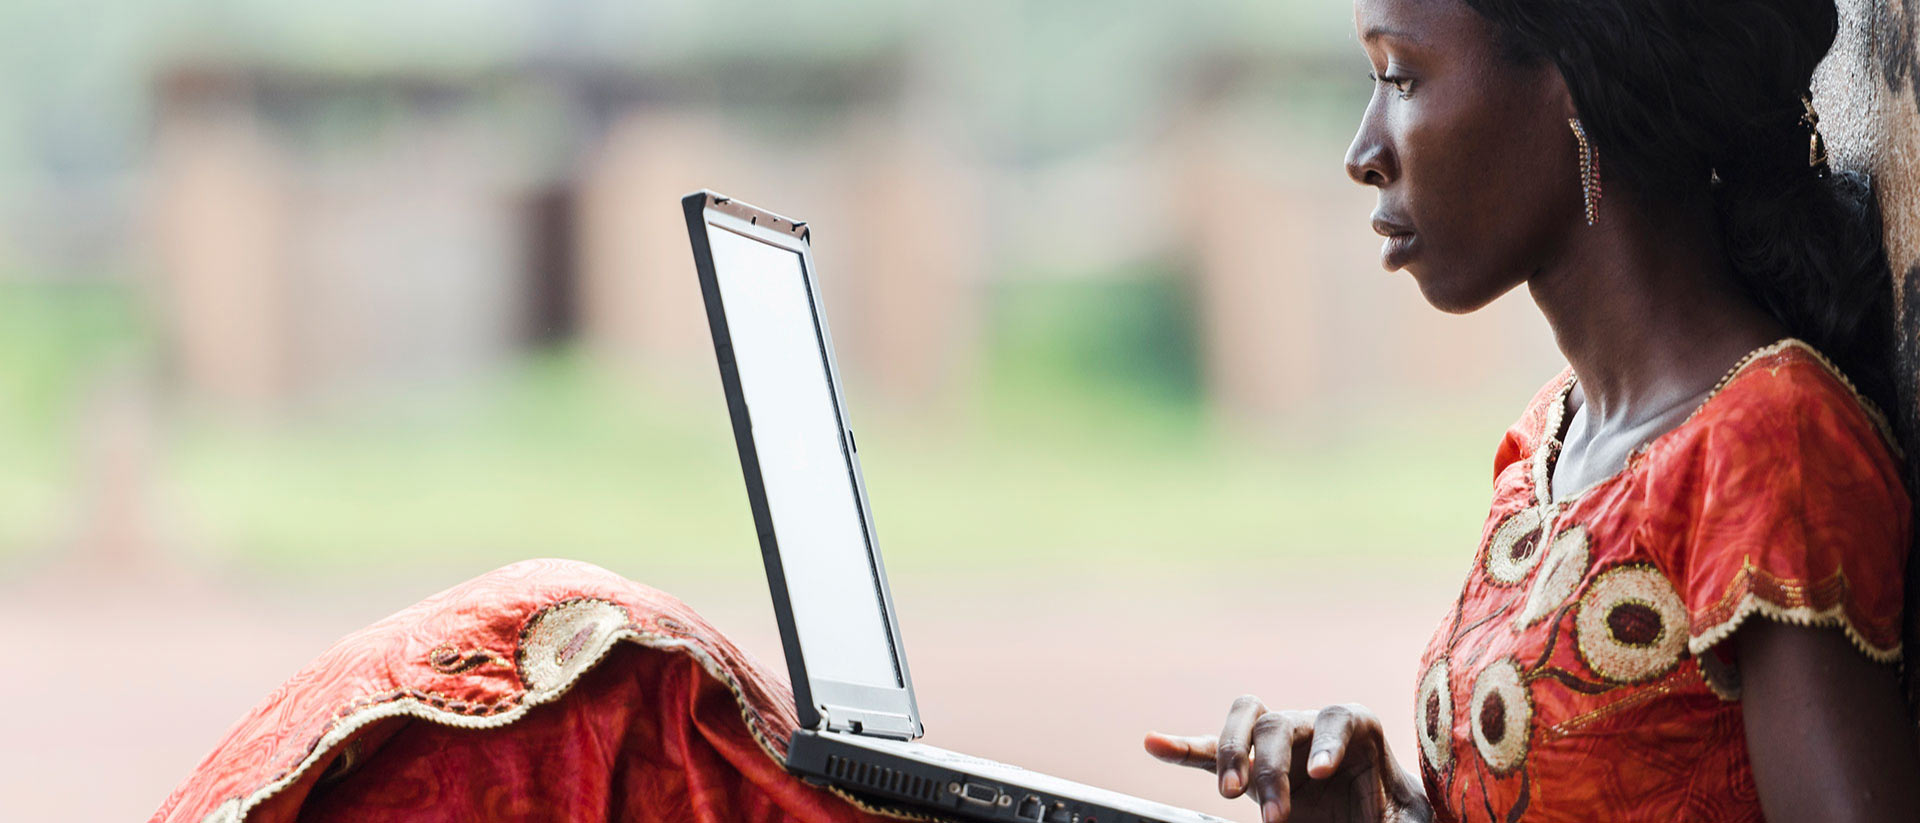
1303	767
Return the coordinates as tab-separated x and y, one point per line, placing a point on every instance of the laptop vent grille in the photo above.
882	779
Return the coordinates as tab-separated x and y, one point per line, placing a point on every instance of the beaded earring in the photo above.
1589	171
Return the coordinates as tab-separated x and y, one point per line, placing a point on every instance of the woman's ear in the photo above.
1558	93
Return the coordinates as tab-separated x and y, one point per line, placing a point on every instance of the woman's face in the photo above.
1476	168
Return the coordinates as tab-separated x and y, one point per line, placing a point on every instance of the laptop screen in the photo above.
803	460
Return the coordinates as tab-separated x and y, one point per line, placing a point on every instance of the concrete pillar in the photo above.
406	263
1258	288
898	246
221	218
640	302
906	308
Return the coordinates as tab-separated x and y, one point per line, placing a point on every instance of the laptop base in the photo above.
951	784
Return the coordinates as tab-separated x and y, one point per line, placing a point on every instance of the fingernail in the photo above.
1230	783
1320	759
1270	811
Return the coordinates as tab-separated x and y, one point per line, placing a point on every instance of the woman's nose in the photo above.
1369	163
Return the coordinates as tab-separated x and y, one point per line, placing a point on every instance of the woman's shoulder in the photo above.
1789	402
1782	496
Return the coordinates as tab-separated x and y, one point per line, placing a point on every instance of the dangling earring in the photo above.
1816	145
1589	171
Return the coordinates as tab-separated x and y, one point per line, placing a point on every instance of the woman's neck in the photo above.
1647	310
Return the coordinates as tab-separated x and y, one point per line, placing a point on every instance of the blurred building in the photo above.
325	233
320	235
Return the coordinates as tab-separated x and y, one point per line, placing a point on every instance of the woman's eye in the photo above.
1403	85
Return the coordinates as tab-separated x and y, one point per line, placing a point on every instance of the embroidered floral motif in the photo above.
1549	449
1776	498
447	658
1562	570
565	639
1501	716
1433	716
1515	547
1631	624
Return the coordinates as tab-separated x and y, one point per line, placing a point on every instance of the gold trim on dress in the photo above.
1874	415
558	645
1633	698
1547	447
1753	590
1547	452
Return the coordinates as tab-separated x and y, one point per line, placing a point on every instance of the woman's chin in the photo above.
1451	293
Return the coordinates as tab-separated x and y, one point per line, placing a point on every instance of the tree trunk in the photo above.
1868	96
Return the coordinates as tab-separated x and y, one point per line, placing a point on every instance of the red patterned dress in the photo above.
1582	674
545	691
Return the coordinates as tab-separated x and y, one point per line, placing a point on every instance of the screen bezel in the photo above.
820	702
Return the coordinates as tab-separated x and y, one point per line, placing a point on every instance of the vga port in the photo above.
978	793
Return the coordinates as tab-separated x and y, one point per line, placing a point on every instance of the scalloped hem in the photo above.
1725	682
559	682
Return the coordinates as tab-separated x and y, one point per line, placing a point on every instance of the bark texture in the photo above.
1868	96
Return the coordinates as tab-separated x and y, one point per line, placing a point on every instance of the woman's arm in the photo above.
1827	730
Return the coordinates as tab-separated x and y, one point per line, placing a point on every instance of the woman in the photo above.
1642	166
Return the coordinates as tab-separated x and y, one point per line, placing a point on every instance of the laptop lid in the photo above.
802	469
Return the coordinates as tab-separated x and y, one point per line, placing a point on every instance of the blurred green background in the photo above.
309	309
1087	383
1087	431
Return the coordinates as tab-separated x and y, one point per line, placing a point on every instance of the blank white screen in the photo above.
806	473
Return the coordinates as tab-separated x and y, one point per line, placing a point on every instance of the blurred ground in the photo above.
134	677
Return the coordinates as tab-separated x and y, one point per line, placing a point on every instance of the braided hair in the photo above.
1689	99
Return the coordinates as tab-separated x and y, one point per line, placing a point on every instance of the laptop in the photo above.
851	687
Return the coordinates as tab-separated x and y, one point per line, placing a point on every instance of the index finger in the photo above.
1195	752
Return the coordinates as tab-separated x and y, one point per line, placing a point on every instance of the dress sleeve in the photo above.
1798	515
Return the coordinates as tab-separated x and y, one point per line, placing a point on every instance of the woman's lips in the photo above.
1400	238
1397	249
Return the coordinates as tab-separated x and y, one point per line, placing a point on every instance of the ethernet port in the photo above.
1030	809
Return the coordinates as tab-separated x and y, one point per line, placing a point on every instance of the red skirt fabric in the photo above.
547	690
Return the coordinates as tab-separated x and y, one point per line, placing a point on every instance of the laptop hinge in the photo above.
868	723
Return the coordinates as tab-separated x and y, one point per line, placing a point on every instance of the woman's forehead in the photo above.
1426	23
